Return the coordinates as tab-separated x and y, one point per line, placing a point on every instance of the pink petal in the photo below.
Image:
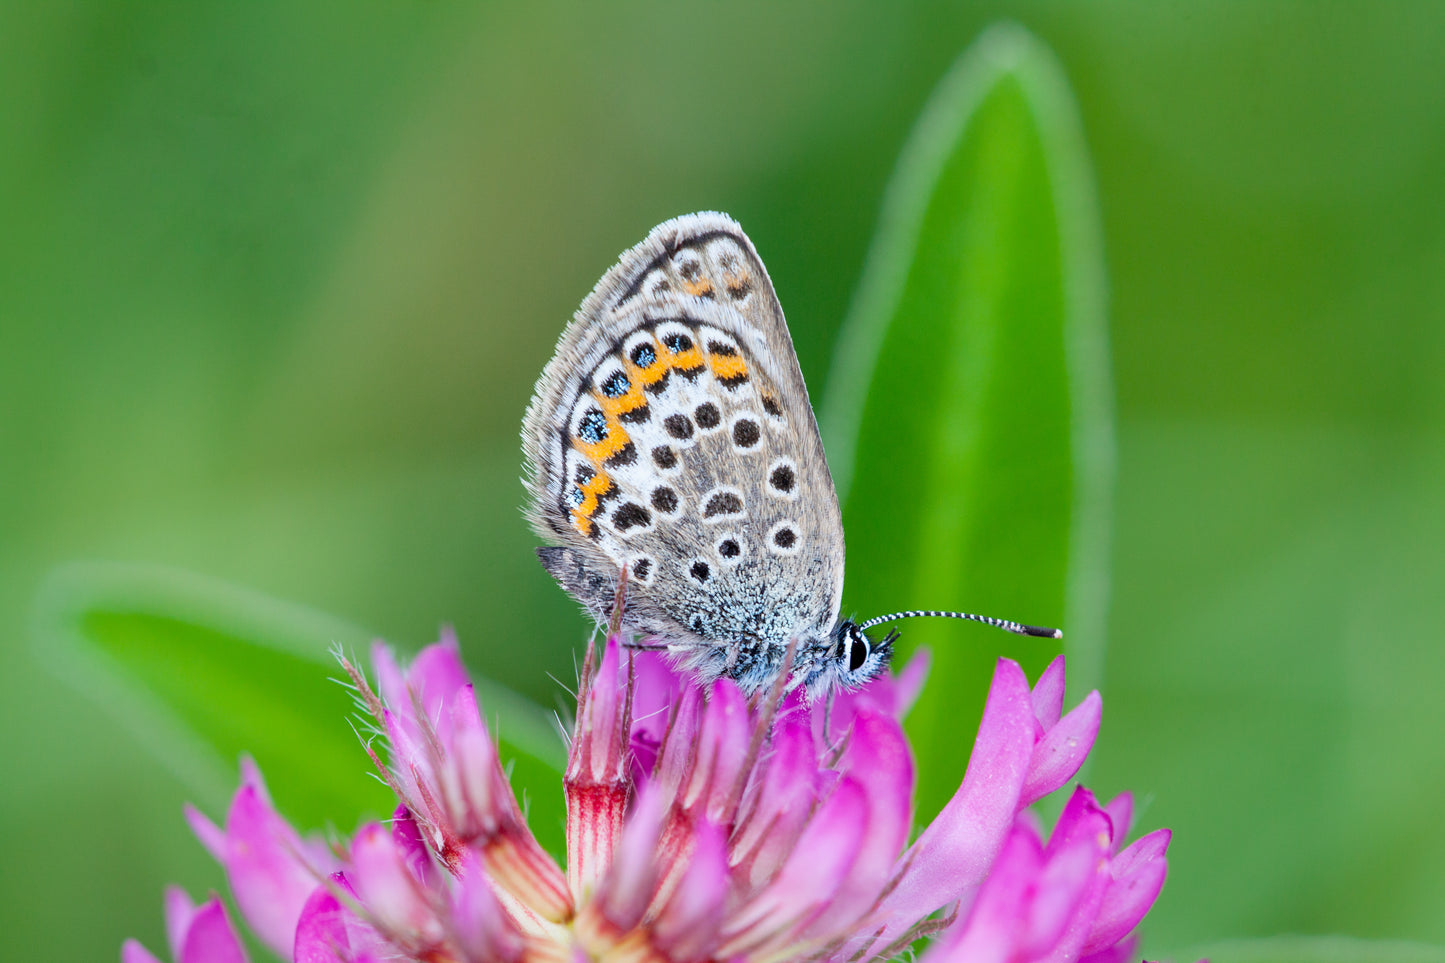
956	851
479	924
390	893
264	864
989	932
1066	884
656	688
211	836
180	911
627	889
1121	952
1120	810
390	680
596	754
481	810
1048	695
406	834
676	758
721	748
1063	749
132	952
409	764
687	926
473	785
877	758
1081	825
1035	901
479	800
321	931
596	781
808	879
1080	815
781	802
437	674
251	776
210	938
431	682
1137	875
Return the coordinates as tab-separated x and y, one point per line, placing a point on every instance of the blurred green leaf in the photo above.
202	671
1317	949
968	414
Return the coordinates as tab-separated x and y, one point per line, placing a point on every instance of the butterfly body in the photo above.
671	435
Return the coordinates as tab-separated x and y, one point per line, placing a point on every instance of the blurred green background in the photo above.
275	281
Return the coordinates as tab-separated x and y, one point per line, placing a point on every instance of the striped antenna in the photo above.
1017	628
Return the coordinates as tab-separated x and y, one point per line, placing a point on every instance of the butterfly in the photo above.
671	438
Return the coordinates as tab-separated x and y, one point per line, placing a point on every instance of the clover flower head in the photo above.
700	826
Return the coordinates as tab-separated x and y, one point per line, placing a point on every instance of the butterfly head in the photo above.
847	659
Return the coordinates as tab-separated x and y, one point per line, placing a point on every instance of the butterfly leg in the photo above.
619	601
645	645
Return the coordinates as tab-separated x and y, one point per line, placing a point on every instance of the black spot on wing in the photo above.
707	415
630	515
636	416
746	433
660	385
722	503
664	499
626	455
615	385
644	355
678	426
593	426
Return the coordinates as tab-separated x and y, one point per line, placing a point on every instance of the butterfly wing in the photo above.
672	433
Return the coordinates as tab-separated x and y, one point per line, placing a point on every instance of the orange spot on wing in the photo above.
737	282
593	490
688	360
642	377
614	408
599	451
701	288
726	366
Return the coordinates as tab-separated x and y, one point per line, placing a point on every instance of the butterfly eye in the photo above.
857	652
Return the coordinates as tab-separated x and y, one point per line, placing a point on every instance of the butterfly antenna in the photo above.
1017	628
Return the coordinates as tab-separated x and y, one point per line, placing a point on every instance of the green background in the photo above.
275	281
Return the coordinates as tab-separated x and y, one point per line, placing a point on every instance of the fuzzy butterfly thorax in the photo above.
671	434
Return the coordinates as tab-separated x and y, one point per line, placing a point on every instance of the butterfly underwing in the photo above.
671	433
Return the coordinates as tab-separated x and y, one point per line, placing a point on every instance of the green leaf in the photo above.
201	672
969	409
1317	949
